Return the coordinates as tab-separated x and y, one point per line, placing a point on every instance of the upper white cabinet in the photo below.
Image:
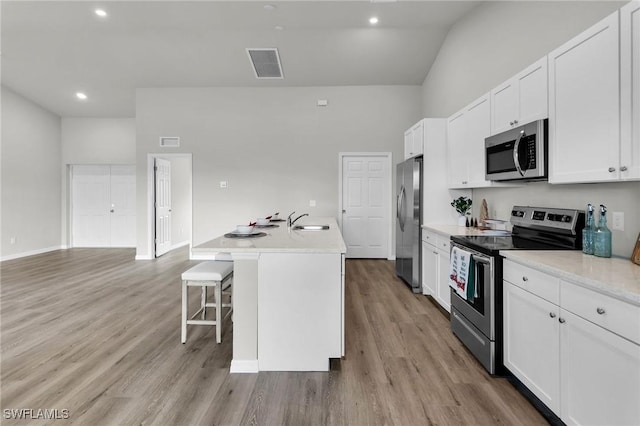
521	99
584	106
466	131
630	91
414	140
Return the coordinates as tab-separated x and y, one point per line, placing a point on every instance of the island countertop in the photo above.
281	240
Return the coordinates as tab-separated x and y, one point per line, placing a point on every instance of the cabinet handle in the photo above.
623	168
511	123
515	121
562	320
600	311
435	252
525	279
552	314
612	169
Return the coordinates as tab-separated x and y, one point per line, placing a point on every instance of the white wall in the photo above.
489	45
93	141
276	149
180	200
30	177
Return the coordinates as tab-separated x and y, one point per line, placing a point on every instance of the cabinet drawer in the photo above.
612	314
444	244
430	237
536	282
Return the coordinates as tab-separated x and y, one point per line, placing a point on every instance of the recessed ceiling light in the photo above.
101	13
81	96
373	20
269	7
279	27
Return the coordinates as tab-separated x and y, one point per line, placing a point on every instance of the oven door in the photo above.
480	310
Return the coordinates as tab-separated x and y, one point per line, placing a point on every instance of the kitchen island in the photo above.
288	296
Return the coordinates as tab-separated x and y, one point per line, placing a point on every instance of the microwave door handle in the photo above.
516	158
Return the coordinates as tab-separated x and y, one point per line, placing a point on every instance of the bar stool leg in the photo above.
185	295
218	292
203	302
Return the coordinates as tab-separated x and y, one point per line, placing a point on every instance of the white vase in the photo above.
462	221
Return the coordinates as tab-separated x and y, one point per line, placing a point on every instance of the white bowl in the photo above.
244	229
262	221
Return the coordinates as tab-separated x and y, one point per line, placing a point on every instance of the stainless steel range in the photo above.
478	322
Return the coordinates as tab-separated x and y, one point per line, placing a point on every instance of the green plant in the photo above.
462	205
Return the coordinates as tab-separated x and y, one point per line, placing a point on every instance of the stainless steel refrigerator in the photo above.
408	221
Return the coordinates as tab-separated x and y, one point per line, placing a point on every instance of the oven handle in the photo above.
516	156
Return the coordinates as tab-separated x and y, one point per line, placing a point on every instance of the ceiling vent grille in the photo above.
170	141
266	63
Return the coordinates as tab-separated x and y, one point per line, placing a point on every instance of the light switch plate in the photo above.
312	203
223	184
618	221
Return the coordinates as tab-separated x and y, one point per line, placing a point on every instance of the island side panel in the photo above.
299	311
245	313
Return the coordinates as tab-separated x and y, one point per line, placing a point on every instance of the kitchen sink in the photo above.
311	227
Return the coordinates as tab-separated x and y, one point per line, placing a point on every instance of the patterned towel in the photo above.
461	274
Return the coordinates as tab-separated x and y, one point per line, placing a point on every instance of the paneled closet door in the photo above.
103	210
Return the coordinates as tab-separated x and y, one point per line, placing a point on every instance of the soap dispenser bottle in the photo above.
602	236
588	231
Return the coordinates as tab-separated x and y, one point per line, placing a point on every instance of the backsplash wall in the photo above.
618	197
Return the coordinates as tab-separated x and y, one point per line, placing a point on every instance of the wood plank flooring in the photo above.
94	332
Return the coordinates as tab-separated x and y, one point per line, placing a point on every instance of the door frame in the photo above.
151	213
388	157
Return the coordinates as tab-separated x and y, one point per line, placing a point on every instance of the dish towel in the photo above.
461	274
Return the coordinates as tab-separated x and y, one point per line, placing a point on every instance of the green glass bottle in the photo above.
588	231
602	236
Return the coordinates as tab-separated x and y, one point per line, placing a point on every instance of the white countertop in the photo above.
617	277
282	240
449	230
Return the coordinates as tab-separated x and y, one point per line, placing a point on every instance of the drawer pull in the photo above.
525	279
600	311
562	320
552	314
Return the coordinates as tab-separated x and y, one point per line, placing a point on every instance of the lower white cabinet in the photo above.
577	363
532	344
435	268
600	375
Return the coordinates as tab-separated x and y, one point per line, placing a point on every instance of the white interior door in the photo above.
163	205
366	194
90	206
123	206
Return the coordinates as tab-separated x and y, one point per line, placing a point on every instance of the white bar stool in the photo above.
216	274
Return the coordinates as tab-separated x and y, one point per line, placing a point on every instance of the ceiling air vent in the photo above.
265	62
170	141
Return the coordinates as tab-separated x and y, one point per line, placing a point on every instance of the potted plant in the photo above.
463	207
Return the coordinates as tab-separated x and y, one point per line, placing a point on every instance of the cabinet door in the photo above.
532	90
444	295
457	154
584	106
532	343
504	107
478	123
600	375
630	93
418	138
408	144
429	270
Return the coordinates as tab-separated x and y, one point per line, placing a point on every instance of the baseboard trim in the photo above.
143	257
244	366
30	253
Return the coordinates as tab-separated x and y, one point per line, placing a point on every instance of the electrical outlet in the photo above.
618	221
312	203
224	184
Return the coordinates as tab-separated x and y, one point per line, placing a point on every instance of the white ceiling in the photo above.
52	49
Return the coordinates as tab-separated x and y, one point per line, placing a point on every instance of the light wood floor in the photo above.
94	332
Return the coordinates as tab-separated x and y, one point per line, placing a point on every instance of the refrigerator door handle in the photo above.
400	211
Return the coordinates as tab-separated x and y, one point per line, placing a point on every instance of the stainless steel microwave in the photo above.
519	153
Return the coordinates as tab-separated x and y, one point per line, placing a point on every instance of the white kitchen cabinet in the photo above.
600	375
576	349
584	106
521	99
630	91
531	343
414	140
467	130
435	268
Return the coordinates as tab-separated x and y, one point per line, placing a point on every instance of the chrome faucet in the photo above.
290	222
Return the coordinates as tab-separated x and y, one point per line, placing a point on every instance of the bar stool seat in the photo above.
216	274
